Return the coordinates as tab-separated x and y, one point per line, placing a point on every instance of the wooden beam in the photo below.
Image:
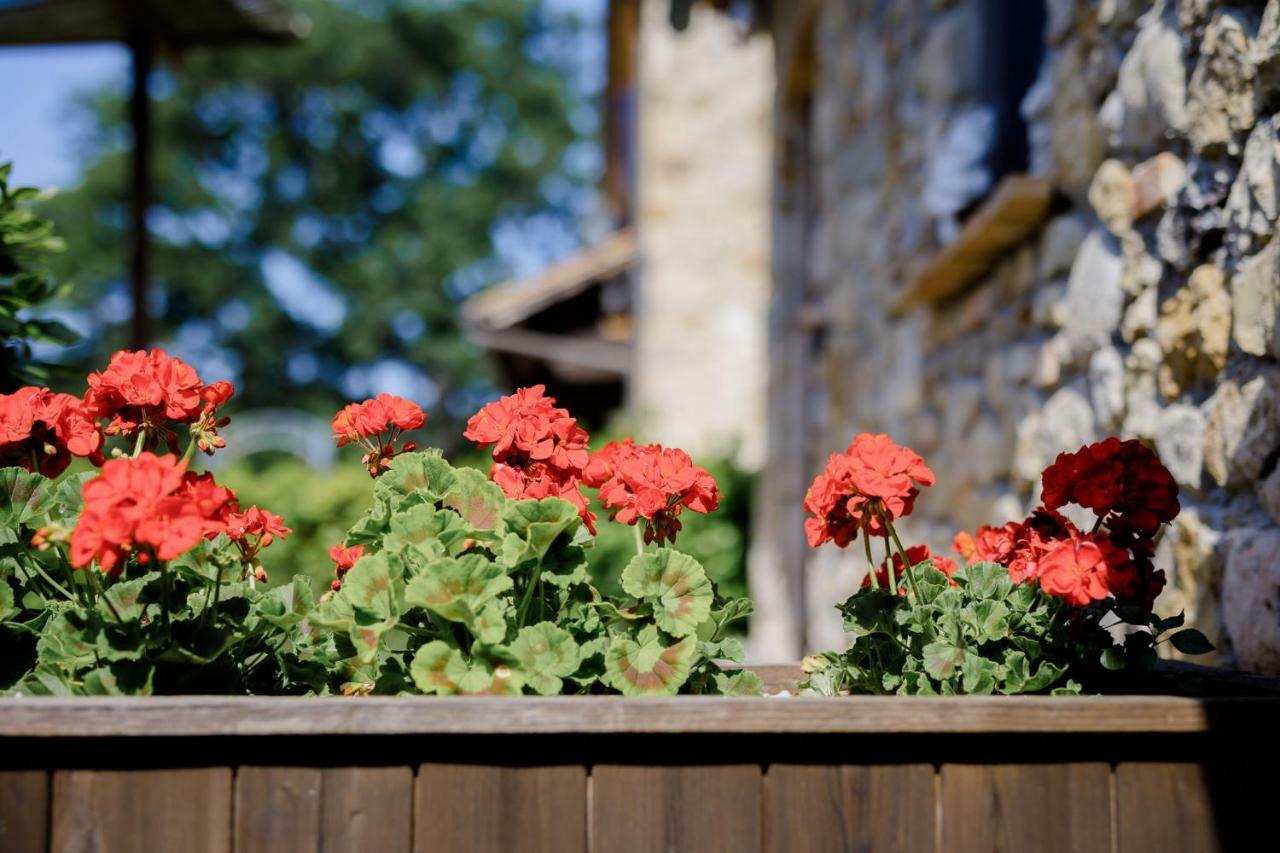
1015	211
157	716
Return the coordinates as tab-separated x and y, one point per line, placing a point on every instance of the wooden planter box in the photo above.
196	774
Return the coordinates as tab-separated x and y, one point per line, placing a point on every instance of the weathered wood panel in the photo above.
499	809
1168	807
636	809
142	811
1021	807
277	810
850	808
24	811
367	808
204	715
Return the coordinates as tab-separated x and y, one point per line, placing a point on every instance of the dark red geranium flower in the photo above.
344	559
654	483
874	480
41	431
917	554
376	425
143	506
1123	482
153	391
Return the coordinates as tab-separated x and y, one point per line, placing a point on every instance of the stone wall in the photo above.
1146	307
702	219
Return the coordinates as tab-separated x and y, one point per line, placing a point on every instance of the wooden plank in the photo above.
207	715
24	811
1014	211
367	808
817	808
277	809
1167	807
142	811
484	808
676	809
1021	807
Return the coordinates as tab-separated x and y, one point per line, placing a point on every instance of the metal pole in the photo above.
140	190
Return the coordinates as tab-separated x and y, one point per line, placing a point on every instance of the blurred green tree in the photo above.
320	208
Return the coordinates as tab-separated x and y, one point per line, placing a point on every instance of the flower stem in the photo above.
101	593
190	451
906	564
141	442
527	599
888	562
59	587
639	537
871	563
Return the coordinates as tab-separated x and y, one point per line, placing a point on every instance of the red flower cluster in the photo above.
344	559
151	507
873	481
251	530
539	450
916	554
376	425
653	483
1132	494
1123	483
41	431
152	391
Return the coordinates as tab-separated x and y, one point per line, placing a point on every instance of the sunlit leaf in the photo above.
546	654
678	585
647	665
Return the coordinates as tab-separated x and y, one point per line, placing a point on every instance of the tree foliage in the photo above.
320	208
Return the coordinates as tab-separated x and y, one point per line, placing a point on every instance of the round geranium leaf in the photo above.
457	588
647	665
678	586
437	667
546	655
429	532
530	527
473	497
425	476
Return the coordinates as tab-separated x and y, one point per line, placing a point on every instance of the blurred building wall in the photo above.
1145	307
702	219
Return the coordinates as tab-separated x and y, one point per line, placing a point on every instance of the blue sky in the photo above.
39	83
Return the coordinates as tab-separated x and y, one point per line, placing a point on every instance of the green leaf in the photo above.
979	675
286	606
990	620
741	683
421	477
871	611
647	666
941	660
127	599
25	498
529	528
1168	624
985	580
1113	658
546	654
677	584
8	607
1189	641
458	588
473	497
429	532
370	588
1016	672
437	667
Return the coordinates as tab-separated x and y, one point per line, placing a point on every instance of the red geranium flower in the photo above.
538	481
253	529
874	480
376	425
654	483
539	451
40	430
344	559
1083	569
143	505
917	554
152	391
526	427
988	545
1123	482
